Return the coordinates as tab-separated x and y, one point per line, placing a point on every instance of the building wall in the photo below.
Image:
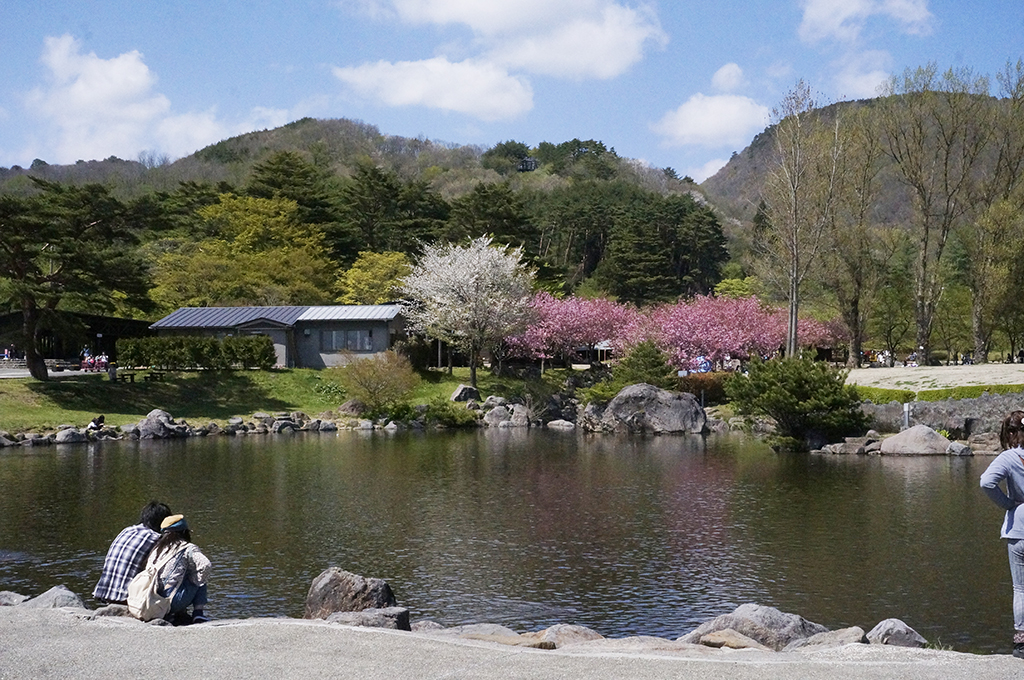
321	344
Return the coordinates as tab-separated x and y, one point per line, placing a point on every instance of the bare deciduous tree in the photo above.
799	195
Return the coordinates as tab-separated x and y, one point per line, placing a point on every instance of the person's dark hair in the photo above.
168	539
154	513
1011	434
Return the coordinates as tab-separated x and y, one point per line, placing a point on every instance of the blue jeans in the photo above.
1016	547
189	593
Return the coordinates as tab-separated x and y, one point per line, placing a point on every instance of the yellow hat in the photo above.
175	523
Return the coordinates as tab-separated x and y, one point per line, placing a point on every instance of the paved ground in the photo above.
935	377
59	644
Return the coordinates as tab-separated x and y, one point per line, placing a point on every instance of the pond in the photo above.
625	535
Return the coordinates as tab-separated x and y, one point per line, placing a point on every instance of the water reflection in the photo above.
626	535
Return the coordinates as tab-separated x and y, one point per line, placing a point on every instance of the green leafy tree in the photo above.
808	400
373	279
504	157
66	247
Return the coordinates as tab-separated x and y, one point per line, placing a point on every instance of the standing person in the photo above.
185	575
127	554
1008	468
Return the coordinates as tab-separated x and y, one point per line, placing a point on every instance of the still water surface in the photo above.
625	535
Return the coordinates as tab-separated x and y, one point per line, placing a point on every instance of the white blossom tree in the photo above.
470	296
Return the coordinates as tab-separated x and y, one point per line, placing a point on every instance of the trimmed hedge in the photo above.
881	395
192	352
967	392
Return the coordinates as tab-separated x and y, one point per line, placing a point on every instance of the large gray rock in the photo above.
9	598
561	425
465	393
395	618
731	639
832	638
562	634
959	449
646	409
55	597
919	440
496	416
767	625
337	590
71	436
895	632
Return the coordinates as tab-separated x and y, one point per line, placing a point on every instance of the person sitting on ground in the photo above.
127	554
185	575
96	424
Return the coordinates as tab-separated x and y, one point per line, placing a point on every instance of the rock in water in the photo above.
337	590
918	440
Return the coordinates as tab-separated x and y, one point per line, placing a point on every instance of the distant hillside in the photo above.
339	146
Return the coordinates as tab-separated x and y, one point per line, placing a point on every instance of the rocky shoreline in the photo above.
340	597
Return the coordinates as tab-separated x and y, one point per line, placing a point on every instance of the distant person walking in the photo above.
128	552
1008	469
185	575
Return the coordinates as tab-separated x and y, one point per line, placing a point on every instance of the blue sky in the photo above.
681	84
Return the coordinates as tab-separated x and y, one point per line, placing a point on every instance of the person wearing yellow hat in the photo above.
185	575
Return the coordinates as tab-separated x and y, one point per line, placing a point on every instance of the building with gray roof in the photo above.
304	336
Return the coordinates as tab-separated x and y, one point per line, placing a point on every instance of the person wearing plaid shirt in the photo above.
127	554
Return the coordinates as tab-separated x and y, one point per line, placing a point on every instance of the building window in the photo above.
358	340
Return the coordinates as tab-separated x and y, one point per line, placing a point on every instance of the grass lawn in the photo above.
199	397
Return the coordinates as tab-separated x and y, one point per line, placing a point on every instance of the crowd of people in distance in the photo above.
164	538
93	363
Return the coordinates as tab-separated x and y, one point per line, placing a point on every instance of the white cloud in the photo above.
99	107
712	121
843	20
604	44
708	169
565	38
727	78
860	76
476	88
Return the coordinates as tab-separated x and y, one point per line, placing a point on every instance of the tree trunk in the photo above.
30	323
792	344
977	330
472	366
853	322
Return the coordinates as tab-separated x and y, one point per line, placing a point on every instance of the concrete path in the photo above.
937	377
65	644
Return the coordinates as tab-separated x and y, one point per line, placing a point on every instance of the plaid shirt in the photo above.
124	560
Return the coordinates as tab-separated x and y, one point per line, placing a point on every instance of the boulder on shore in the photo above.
919	440
769	626
337	590
394	618
646	409
57	596
895	632
465	393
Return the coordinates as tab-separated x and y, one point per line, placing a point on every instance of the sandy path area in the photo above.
936	377
62	644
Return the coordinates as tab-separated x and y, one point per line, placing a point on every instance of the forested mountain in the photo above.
281	216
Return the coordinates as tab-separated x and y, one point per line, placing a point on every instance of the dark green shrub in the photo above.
645	363
807	399
444	413
178	352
